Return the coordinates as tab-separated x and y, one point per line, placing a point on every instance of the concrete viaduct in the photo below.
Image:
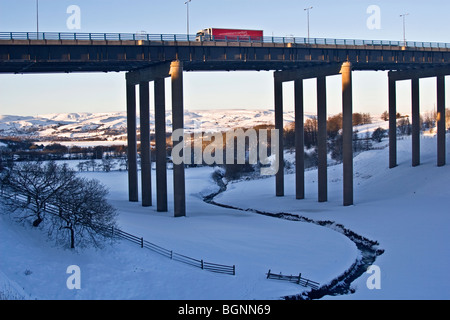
152	58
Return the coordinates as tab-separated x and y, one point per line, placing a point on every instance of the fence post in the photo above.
268	274
142	242
234	270
202	263
299	277
171	254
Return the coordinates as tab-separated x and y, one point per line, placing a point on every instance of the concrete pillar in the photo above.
179	192
144	101
279	177
132	143
347	132
441	121
160	141
415	115
392	123
299	141
322	138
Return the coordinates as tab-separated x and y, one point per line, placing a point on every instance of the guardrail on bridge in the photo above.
186	38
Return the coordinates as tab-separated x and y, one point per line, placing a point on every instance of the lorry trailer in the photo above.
219	34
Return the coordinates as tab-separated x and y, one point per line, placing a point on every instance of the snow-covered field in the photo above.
405	209
111	126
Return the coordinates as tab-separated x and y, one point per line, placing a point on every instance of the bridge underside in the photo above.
41	56
145	63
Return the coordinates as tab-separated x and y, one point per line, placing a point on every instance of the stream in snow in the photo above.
341	285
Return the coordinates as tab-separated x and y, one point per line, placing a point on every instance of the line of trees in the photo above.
29	151
427	120
71	208
334	136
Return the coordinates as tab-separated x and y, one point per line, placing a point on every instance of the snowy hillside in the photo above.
404	209
112	125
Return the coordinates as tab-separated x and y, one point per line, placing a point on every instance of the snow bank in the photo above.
253	243
405	209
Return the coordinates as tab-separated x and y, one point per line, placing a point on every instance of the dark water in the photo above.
341	285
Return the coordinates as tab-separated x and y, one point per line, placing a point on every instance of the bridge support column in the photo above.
415	114
144	101
279	177
132	143
299	141
176	73
441	121
392	123
322	139
347	132
160	142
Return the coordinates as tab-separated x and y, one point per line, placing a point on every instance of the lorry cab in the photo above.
200	36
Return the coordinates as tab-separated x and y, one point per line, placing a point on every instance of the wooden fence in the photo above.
213	267
296	279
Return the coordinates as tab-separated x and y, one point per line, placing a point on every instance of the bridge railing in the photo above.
185	37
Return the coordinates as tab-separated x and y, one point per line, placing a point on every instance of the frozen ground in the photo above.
99	125
405	209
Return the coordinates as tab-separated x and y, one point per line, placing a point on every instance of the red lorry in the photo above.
217	34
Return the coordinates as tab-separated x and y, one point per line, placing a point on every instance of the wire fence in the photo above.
195	38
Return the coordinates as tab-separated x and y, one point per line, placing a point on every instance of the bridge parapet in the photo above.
141	38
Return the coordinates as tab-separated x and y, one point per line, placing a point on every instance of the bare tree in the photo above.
84	212
75	207
107	164
378	134
39	183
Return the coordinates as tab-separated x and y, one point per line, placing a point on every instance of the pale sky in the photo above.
100	92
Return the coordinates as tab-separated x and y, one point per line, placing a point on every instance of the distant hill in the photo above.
111	126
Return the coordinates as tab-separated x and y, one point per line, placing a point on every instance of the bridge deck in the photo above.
74	52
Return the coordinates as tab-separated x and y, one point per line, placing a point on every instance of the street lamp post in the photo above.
404	27
307	18
37	19
187	16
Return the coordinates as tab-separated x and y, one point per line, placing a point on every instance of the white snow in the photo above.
405	209
88	125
